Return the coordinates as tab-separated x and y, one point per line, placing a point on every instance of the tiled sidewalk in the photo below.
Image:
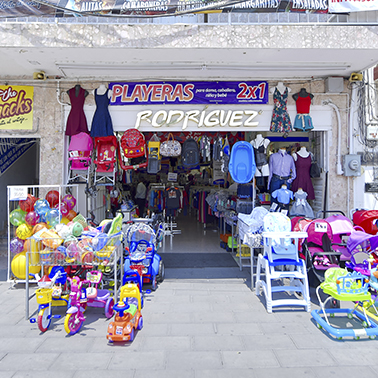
198	326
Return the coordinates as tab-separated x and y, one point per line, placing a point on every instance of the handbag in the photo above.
314	169
170	147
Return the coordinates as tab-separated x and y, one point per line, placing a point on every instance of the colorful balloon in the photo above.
63	208
41	206
52	198
16	245
17	217
53	217
24	231
28	204
71	215
70	201
32	218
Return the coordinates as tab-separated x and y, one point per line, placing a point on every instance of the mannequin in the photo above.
301	207
282	198
280	118
77	91
302	153
280	87
101	90
260	145
303	121
77	121
102	124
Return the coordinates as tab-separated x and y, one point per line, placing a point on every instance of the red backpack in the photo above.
133	146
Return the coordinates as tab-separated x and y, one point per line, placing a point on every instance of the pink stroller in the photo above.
80	157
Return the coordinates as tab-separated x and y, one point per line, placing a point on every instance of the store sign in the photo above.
346	6
196	92
16	107
212	118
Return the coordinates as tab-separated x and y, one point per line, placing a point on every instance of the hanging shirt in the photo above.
141	191
283	195
173	196
282	164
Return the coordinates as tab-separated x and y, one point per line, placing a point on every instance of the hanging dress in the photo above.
303	120
102	123
76	122
303	179
280	118
301	206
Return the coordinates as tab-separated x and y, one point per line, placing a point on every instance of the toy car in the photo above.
128	316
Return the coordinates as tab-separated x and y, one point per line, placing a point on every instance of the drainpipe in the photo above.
339	169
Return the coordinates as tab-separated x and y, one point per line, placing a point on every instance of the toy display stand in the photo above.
109	255
19	193
345	286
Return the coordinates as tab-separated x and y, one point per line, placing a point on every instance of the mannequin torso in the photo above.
302	153
101	90
281	88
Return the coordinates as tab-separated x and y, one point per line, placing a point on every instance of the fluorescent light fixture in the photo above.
72	69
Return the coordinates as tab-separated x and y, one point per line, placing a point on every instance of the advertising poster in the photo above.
16	107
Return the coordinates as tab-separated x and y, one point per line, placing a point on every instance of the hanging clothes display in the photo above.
303	120
76	121
205	148
280	118
303	179
102	124
301	207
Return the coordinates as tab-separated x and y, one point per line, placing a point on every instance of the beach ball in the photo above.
53	217
41	206
52	198
16	245
71	215
63	208
28	204
17	217
69	200
32	218
24	231
18	266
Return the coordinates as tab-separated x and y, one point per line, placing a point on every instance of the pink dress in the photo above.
303	179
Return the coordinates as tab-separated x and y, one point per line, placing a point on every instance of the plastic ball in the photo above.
77	229
28	204
24	231
16	245
17	217
53	217
38	227
63	208
52	198
69	200
71	215
41	207
31	218
18	266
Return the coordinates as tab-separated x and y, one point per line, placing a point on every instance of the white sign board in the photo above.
18	193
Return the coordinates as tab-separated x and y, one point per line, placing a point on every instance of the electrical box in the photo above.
352	165
372	132
334	84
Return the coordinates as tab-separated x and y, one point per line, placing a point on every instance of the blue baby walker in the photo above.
141	246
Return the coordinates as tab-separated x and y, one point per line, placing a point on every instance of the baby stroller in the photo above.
342	227
318	251
366	219
105	160
362	248
141	244
80	158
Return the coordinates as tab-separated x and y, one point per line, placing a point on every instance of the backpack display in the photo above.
190	155
133	146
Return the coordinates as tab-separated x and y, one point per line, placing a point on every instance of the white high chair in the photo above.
279	268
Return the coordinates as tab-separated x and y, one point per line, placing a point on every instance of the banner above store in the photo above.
153	8
196	92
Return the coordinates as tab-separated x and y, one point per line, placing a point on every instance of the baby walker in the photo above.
345	286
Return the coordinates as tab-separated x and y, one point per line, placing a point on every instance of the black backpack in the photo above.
190	154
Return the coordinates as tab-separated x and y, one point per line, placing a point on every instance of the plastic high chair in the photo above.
281	274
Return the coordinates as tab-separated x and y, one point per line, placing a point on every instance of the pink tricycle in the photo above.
98	297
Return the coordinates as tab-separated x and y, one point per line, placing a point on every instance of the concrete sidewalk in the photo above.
197	324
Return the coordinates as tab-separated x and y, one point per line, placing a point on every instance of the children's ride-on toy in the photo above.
98	297
128	315
345	286
77	304
49	294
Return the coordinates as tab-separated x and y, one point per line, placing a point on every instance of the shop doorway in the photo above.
19	165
